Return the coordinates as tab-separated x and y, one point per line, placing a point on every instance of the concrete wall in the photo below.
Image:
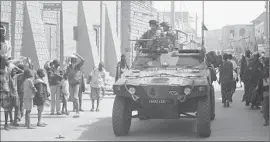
85	43
70	20
34	44
85	17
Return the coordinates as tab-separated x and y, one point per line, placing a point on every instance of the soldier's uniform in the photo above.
169	32
150	34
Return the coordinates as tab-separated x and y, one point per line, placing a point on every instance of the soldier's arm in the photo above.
139	43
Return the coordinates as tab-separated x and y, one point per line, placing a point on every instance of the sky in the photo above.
217	13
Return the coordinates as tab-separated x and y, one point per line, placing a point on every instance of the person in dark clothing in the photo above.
121	67
264	90
55	85
74	75
253	74
4	88
169	33
81	90
226	79
15	102
40	95
244	63
20	79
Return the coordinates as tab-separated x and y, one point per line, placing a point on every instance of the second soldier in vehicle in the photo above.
169	33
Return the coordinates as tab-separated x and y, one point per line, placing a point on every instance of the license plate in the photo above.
160	101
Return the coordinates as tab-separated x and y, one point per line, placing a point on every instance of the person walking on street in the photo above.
55	86
243	76
226	79
254	74
41	94
121	67
230	58
264	87
74	78
97	82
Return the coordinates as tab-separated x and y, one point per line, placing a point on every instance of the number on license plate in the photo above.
159	101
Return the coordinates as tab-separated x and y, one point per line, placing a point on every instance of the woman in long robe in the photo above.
226	79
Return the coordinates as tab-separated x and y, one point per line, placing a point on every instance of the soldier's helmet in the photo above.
153	22
164	24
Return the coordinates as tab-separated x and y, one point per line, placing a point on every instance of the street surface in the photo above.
237	123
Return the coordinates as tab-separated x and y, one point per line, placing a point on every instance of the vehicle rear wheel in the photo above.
213	109
203	117
121	116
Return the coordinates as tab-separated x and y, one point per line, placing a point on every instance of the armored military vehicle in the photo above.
165	84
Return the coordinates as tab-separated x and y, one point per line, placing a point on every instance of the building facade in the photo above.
239	37
98	31
260	31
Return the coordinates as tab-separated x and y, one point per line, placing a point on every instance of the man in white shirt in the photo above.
97	82
5	49
234	72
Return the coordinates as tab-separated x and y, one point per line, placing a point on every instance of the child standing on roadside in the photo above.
29	93
41	94
64	93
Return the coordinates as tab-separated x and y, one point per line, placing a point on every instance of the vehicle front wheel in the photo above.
121	116
213	114
204	117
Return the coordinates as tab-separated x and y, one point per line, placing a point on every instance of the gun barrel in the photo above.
140	39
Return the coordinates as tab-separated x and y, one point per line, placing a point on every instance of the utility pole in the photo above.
101	31
172	14
267	23
61	35
202	24
196	25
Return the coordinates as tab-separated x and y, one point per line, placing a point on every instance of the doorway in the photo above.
51	36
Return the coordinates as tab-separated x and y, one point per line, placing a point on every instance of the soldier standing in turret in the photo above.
150	34
169	32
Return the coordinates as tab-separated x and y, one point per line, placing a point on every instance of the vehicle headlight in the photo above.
187	91
165	64
132	90
201	89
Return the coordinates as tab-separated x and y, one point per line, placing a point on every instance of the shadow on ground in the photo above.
141	130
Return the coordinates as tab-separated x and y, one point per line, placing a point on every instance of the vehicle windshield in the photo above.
144	61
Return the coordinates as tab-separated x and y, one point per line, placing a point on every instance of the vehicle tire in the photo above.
213	103
203	117
121	116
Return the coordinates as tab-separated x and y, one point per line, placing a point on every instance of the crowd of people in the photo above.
22	88
254	73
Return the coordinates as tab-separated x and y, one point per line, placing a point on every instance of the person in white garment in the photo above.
230	57
97	81
5	48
